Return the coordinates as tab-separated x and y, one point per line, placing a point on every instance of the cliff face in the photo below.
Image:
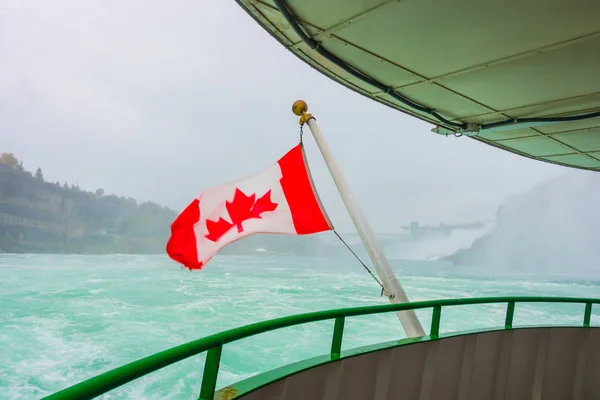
47	217
38	216
554	227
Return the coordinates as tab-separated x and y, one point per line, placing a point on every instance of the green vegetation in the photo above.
43	217
38	216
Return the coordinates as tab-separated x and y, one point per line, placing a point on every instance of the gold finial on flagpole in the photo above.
300	108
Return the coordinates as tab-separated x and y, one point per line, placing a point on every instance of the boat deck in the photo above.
550	362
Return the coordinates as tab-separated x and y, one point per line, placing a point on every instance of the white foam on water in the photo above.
68	318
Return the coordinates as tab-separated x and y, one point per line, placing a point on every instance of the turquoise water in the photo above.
67	318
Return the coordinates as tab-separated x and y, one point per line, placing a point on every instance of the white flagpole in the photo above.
392	286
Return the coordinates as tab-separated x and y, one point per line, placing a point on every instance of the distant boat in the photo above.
260	250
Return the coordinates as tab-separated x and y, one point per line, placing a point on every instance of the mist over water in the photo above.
552	228
434	248
68	318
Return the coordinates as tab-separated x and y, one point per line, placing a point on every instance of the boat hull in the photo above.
525	363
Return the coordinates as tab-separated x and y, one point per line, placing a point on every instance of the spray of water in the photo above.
435	247
552	228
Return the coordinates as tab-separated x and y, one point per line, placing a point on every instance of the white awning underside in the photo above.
471	62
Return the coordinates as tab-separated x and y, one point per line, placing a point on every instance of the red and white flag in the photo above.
280	199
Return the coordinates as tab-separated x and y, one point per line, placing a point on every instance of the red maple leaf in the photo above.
217	229
240	209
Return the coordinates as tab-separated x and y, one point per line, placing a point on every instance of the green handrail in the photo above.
213	344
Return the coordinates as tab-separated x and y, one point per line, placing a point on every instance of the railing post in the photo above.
510	313
211	370
336	342
435	322
587	315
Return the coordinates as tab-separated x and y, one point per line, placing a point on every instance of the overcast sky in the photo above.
158	100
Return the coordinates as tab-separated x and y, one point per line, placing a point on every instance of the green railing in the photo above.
213	344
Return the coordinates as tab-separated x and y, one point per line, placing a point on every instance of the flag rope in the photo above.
342	240
360	261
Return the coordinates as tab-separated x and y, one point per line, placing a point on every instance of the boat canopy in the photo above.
520	75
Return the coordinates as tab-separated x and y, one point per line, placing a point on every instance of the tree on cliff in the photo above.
73	220
39	175
9	159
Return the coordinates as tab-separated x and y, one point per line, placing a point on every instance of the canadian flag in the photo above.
280	199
